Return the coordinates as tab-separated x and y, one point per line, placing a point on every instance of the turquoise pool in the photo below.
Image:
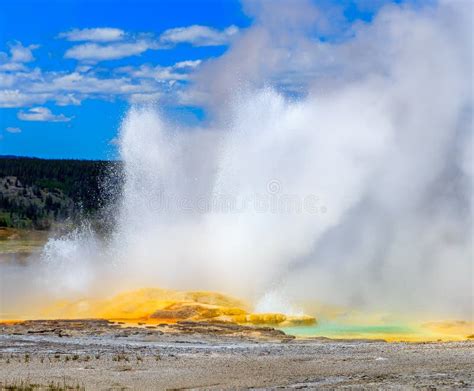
340	330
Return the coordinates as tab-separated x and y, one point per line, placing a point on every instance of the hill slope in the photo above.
36	193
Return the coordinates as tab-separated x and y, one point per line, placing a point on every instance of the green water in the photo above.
340	330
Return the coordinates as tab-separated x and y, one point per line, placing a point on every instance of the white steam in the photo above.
355	191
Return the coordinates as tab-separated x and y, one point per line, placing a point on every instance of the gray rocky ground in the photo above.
99	355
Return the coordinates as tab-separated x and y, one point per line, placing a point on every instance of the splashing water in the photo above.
255	206
356	194
274	301
70	256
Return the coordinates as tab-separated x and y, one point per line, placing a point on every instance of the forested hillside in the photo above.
36	193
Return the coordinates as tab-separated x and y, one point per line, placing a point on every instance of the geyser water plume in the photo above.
209	205
356	193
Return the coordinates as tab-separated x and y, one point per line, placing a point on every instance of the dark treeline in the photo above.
35	193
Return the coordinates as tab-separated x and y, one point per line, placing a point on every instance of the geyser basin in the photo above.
407	331
356	190
156	306
153	305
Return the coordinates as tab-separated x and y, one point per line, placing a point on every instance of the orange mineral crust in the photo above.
154	305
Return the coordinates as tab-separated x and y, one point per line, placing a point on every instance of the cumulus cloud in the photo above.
20	53
145	98
68	99
98	34
187	64
86	84
179	71
10	80
145	82
42	114
12	67
12	129
18	98
22	86
197	35
93	52
105	49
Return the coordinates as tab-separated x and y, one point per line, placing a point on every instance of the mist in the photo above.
337	171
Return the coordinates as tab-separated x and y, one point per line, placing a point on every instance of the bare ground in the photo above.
99	355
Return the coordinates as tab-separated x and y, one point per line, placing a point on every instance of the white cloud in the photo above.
89	84
12	67
197	35
178	71
42	114
20	53
22	86
187	64
18	98
12	129
92	52
100	34
7	80
12	79
67	100
141	98
84	68
100	45
157	73
36	88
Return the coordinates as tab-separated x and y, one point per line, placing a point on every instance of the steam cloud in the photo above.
336	170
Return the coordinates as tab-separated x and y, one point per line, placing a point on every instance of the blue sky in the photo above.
70	69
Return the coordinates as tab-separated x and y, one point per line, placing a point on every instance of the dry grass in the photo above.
52	386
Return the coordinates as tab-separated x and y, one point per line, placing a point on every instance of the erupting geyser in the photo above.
355	192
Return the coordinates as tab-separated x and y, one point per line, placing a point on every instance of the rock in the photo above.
155	305
299	320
